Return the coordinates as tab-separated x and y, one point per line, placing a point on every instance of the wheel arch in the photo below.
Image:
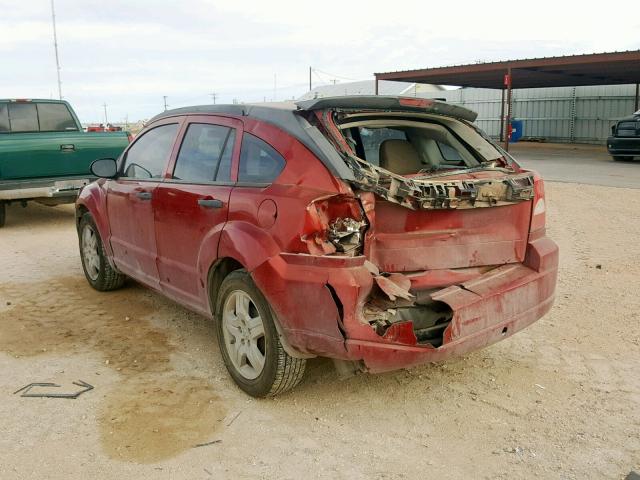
92	200
220	269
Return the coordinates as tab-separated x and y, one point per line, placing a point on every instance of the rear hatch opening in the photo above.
439	197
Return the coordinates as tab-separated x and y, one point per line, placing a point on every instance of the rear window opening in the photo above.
409	149
409	145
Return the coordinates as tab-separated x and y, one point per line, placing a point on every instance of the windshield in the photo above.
417	144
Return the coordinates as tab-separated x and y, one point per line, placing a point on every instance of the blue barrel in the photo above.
517	129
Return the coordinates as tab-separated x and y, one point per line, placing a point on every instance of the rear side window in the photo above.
55	117
148	156
259	162
4	118
23	117
201	152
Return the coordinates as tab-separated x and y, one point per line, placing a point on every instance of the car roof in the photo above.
288	117
281	115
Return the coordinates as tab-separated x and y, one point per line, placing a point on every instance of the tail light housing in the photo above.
538	211
334	225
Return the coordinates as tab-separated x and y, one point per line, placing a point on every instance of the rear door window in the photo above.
372	138
201	152
23	117
148	156
259	161
55	117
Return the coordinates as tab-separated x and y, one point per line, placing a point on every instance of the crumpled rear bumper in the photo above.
319	302
485	310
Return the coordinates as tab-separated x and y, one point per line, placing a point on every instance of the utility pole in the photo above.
55	47
310	87
275	86
106	120
165	102
213	96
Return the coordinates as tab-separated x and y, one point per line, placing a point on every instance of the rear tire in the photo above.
97	269
3	213
249	341
621	158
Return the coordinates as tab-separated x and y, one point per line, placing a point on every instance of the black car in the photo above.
624	142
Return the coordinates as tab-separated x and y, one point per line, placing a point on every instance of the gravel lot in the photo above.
559	400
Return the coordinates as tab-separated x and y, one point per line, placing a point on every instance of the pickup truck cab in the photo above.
624	142
45	154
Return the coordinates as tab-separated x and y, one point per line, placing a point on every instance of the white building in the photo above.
368	87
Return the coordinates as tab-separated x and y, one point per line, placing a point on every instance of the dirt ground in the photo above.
558	400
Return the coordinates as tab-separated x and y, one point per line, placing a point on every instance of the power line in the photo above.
335	76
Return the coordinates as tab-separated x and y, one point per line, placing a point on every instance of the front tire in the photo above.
249	340
3	212
621	158
97	269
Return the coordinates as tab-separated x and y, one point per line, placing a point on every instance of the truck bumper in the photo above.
619	146
31	189
319	304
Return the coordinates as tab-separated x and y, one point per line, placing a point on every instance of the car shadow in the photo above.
35	214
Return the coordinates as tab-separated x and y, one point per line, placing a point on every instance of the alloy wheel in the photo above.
243	331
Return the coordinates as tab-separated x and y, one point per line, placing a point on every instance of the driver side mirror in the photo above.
104	167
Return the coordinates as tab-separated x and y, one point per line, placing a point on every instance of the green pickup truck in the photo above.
45	154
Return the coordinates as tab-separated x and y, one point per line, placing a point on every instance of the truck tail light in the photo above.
129	137
538	213
334	225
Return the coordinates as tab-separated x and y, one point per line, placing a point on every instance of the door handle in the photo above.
210	203
143	195
69	147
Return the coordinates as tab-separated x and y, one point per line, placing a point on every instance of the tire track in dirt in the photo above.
153	413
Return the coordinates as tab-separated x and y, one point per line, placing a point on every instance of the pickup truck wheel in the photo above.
621	158
97	268
3	213
249	341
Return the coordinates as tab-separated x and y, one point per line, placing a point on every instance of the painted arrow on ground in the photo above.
26	390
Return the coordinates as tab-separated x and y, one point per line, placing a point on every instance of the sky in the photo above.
130	54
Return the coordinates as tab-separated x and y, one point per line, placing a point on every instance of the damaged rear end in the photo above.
444	232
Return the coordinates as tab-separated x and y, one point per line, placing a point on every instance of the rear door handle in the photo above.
144	195
70	147
210	203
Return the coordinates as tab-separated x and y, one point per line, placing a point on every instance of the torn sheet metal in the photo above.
432	193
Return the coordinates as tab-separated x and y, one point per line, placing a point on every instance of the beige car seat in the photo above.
399	156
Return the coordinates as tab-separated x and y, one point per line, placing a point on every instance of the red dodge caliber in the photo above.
383	232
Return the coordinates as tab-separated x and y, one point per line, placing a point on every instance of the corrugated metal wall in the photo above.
562	114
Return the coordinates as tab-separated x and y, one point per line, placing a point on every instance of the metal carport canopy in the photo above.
613	68
570	71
